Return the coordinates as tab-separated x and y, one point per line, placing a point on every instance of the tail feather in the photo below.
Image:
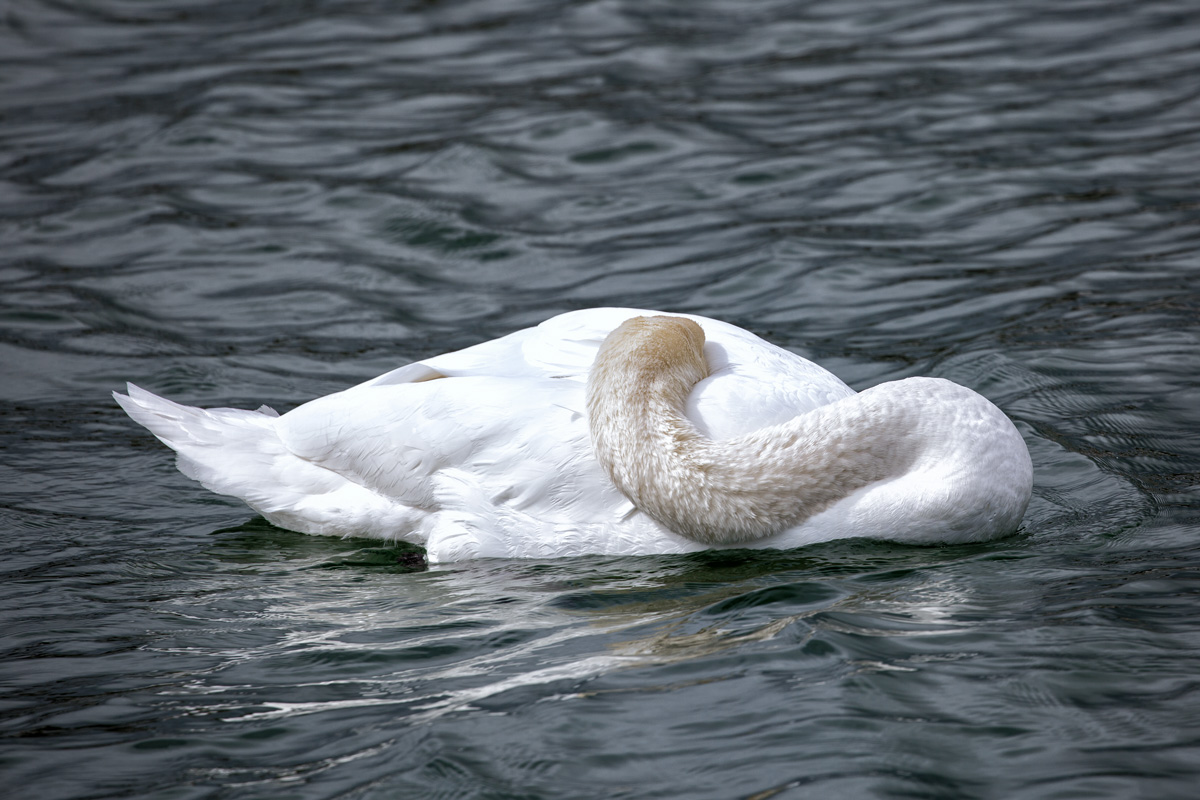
239	453
228	450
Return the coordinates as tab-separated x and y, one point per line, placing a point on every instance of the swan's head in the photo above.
652	354
639	382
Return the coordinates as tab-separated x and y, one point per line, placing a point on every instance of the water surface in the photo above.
239	203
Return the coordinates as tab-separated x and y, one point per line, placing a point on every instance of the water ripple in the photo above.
237	203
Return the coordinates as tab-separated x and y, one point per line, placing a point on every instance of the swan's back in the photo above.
752	383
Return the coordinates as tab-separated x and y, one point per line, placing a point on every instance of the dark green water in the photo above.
234	203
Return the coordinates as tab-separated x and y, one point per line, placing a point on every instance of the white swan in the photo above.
614	431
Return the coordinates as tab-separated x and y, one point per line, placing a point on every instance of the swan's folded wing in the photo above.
499	357
564	347
561	347
753	384
388	438
526	440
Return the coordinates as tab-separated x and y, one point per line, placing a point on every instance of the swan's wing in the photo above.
566	345
526	442
561	347
498	357
752	382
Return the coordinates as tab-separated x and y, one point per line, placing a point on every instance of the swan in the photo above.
614	431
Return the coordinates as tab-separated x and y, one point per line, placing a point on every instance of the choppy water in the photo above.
237	203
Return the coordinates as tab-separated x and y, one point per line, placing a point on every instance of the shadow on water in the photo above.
259	543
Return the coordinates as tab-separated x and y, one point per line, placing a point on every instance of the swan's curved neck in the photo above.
736	490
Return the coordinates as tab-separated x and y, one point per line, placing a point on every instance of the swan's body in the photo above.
614	431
